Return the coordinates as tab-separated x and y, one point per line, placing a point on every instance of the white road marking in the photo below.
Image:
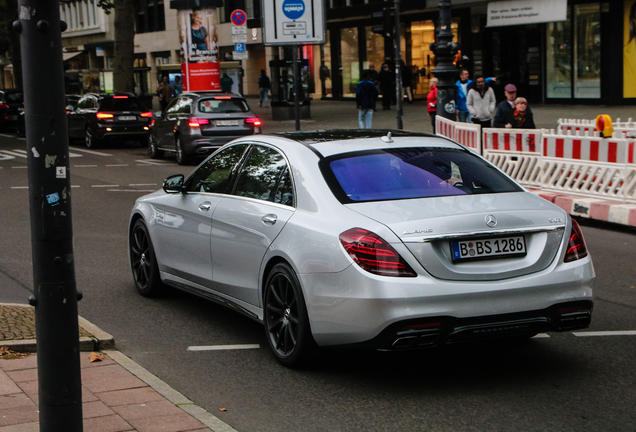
91	152
143	162
15	153
20	167
143	184
84	166
605	333
131	190
110	186
116	165
75	186
541	336
19	187
223	347
7	136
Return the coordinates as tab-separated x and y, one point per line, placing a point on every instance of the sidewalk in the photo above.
117	394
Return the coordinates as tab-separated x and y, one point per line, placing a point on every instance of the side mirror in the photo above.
173	184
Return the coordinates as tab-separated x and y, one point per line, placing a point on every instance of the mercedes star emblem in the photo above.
491	221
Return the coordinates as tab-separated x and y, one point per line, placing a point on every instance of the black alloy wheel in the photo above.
285	317
91	141
182	157
153	149
143	261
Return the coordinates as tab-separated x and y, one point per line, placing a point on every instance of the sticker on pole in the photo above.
293	9
238	17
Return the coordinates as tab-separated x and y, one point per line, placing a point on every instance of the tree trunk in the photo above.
123	79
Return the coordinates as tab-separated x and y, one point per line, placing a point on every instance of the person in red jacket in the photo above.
431	100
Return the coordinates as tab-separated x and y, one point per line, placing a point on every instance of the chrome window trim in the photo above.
474	234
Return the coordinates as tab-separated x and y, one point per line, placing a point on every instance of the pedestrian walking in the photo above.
177	87
407	81
264	83
505	110
521	117
431	100
226	83
366	95
164	92
481	102
463	86
374	75
387	86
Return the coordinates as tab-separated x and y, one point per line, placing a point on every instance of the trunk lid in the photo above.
429	226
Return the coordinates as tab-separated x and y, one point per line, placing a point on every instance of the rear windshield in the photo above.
422	172
121	104
14	97
217	106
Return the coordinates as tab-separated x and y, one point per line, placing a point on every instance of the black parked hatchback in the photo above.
98	117
11	103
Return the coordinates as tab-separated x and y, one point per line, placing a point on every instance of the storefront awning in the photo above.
70	55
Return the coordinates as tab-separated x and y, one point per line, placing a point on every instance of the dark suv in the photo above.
11	103
97	117
197	123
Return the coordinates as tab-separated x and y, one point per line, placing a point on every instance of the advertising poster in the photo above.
629	50
199	44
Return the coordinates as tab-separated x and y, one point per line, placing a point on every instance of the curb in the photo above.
98	341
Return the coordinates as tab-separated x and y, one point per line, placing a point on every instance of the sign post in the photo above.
293	23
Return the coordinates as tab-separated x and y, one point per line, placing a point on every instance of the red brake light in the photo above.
104	115
576	244
146	114
4	106
374	254
222	97
254	120
120	97
197	122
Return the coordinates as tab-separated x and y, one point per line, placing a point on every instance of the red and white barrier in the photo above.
516	140
591	149
468	135
445	127
576	125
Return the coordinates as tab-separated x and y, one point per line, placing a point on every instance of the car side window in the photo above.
83	103
261	174
215	174
173	107
285	190
185	106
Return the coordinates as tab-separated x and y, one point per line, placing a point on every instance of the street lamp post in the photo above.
445	49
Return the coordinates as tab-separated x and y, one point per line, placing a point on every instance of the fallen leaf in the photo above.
222	409
95	357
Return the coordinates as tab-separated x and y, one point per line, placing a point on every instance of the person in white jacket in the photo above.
481	102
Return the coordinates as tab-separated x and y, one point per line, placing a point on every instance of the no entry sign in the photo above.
238	17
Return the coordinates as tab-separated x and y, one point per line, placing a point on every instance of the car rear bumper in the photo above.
133	131
205	145
356	308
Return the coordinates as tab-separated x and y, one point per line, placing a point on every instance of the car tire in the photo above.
91	141
143	262
153	149
182	157
285	317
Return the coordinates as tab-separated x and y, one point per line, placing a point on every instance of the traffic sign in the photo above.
293	22
239	38
238	17
238	30
239	47
239	55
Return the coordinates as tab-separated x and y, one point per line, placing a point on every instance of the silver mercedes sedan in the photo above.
374	239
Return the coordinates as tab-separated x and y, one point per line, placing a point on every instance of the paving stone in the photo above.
7	386
14	401
18	415
23	375
112	423
108	378
149	409
29	362
25	427
30	388
173	423
131	396
96	409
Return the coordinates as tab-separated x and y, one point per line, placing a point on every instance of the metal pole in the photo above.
55	293
296	99
398	66
445	50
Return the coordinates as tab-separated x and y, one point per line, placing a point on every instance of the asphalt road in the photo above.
561	383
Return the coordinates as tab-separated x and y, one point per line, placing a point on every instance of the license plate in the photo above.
127	118
500	247
226	122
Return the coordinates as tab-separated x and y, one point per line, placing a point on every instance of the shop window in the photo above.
559	60
325	67
587	51
375	50
350	60
150	16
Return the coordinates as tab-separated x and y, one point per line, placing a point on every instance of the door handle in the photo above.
205	206
269	219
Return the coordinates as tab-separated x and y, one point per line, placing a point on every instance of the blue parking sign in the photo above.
239	47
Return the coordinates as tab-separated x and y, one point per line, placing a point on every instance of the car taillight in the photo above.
104	115
198	122
222	97
4	106
254	120
374	254
120	97
576	244
146	114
